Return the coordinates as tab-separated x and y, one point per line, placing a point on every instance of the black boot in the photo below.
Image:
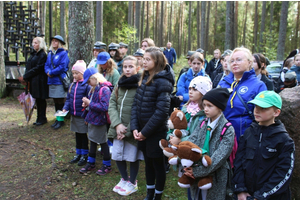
75	159
58	125
150	194
157	196
83	160
41	111
55	123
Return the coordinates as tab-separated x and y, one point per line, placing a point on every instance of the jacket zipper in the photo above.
75	98
122	104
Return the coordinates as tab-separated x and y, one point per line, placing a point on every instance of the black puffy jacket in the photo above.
149	113
36	75
264	162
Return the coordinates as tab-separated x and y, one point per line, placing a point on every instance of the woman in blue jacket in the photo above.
55	66
245	85
197	62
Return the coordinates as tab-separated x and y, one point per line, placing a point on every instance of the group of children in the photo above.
136	106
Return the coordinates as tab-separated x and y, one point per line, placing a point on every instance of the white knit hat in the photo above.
201	83
79	66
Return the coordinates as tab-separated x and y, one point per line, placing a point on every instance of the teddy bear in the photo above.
188	153
177	124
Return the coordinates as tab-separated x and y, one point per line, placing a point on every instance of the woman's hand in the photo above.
243	196
49	75
22	81
174	140
86	102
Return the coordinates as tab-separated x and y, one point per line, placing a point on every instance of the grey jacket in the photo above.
219	153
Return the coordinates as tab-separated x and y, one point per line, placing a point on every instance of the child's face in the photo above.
92	81
196	65
129	68
148	62
77	75
297	61
265	116
140	59
194	94
190	62
211	111
225	63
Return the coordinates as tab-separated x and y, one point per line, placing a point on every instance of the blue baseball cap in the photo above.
88	73
102	58
59	38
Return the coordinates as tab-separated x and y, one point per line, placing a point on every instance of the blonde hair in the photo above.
160	63
42	44
133	59
149	41
198	56
110	67
296	56
60	45
100	79
247	53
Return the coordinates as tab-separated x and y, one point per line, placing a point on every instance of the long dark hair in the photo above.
261	59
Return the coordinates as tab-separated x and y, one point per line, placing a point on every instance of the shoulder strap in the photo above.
226	126
245	105
203	122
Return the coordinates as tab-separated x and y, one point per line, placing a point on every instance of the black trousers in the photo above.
41	105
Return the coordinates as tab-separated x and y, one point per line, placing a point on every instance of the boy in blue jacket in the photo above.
264	160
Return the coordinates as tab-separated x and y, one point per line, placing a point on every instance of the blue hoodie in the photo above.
61	63
184	83
248	87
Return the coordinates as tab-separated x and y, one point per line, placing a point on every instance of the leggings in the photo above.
155	170
134	169
104	149
82	141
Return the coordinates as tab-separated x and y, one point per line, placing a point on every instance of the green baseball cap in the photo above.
267	99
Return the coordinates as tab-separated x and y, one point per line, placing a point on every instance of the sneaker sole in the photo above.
128	193
99	173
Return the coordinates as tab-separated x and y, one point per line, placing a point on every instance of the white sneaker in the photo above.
120	185
128	189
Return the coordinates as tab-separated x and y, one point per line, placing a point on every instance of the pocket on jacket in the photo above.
269	152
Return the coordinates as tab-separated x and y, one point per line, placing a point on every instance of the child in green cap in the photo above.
264	160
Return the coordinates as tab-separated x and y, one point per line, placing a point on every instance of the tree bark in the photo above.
161	31
147	25
198	24
62	20
137	23
215	24
2	65
203	14
297	28
157	39
154	22
42	16
81	31
255	28
178	34
236	11
207	30
282	30
142	20
170	24
245	24
262	26
129	19
232	45
271	24
228	30
99	21
190	22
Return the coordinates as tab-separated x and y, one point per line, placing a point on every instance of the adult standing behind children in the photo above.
214	64
197	69
139	56
108	68
98	48
226	68
149	116
245	85
208	137
36	78
123	53
264	160
125	146
147	42
57	64
170	54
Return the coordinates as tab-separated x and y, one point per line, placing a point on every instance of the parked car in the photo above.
274	69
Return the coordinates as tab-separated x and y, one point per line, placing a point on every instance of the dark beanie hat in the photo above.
218	97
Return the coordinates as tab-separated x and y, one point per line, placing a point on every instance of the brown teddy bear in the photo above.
189	154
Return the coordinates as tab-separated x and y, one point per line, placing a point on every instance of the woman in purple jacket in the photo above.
97	105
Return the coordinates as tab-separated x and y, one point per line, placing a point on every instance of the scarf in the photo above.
193	108
129	82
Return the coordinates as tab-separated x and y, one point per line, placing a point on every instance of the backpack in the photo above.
235	145
100	93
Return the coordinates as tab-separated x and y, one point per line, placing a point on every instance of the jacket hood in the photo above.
273	129
167	73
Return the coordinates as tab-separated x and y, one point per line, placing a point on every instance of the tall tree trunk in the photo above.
161	31
99	21
190	22
232	45
207	30
170	24
236	11
153	16
203	14
129	19
271	24
137	23
245	24
262	26
147	23
255	28
2	65
81	31
198	24
42	20
50	21
297	28
228	31
178	34
157	39
142	21
215	24
282	30
62	20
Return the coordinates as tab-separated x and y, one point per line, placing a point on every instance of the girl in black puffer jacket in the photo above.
149	117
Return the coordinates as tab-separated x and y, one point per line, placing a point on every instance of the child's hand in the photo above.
86	102
174	140
243	196
135	134
180	97
64	110
189	172
140	136
120	136
121	129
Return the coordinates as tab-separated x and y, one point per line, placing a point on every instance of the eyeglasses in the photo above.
238	60
146	59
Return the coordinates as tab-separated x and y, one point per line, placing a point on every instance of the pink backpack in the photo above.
106	113
235	145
